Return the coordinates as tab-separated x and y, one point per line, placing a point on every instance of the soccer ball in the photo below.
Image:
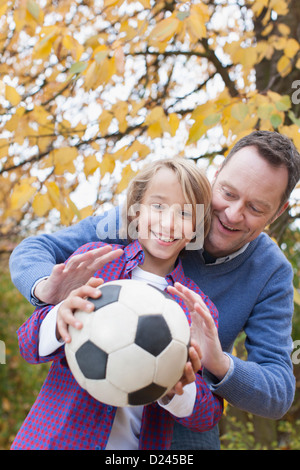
132	348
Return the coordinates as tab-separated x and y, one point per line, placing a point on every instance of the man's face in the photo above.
246	197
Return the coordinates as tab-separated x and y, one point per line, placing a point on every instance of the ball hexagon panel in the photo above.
130	368
109	294
152	334
113	327
146	395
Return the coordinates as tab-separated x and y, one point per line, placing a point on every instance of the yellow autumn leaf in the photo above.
283	29
47	37
63	159
197	130
22	193
71	44
120	60
105	119
165	29
141	149
126	176
279	6
291	48
120	111
4	146
41	204
53	193
86	212
90	165
12	95
107	165
174	122
195	22
155	130
155	115
296	296
284	66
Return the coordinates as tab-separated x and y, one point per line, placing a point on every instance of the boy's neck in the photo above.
158	267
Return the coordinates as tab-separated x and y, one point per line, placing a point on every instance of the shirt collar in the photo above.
135	255
227	258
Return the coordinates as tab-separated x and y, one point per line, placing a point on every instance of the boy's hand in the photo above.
76	300
76	272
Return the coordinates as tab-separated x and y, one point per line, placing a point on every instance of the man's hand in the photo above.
204	331
78	270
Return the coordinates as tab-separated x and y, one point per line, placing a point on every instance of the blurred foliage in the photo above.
19	382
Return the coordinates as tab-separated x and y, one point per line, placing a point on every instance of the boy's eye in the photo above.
157	206
186	214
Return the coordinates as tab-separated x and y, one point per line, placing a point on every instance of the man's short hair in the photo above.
278	150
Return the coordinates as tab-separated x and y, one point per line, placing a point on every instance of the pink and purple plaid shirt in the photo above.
64	416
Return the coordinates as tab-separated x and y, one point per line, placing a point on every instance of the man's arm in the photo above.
35	257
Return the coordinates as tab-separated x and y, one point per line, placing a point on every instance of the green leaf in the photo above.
33	8
276	120
78	67
212	120
239	111
181	15
284	103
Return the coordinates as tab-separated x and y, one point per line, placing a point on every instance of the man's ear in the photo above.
281	211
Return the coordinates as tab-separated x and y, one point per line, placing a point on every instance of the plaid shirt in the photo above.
64	416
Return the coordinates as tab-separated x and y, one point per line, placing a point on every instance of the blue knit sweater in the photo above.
253	292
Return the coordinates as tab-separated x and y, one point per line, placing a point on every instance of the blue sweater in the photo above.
253	292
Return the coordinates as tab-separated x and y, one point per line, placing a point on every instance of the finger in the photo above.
87	258
201	316
173	290
84	292
194	359
63	332
99	262
189	374
95	282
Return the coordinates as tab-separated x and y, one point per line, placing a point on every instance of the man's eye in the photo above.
228	193
254	209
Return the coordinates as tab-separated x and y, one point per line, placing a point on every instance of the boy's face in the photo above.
165	223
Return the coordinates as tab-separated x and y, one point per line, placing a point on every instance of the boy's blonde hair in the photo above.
195	187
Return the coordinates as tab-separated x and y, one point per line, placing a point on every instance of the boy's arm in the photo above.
28	336
35	257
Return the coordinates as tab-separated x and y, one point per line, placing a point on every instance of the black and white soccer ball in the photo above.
132	348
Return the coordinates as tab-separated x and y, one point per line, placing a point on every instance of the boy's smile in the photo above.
165	222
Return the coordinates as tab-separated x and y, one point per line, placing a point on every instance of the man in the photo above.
240	269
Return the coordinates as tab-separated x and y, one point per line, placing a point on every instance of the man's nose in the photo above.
235	212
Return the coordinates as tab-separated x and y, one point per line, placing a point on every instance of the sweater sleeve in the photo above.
264	384
35	256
